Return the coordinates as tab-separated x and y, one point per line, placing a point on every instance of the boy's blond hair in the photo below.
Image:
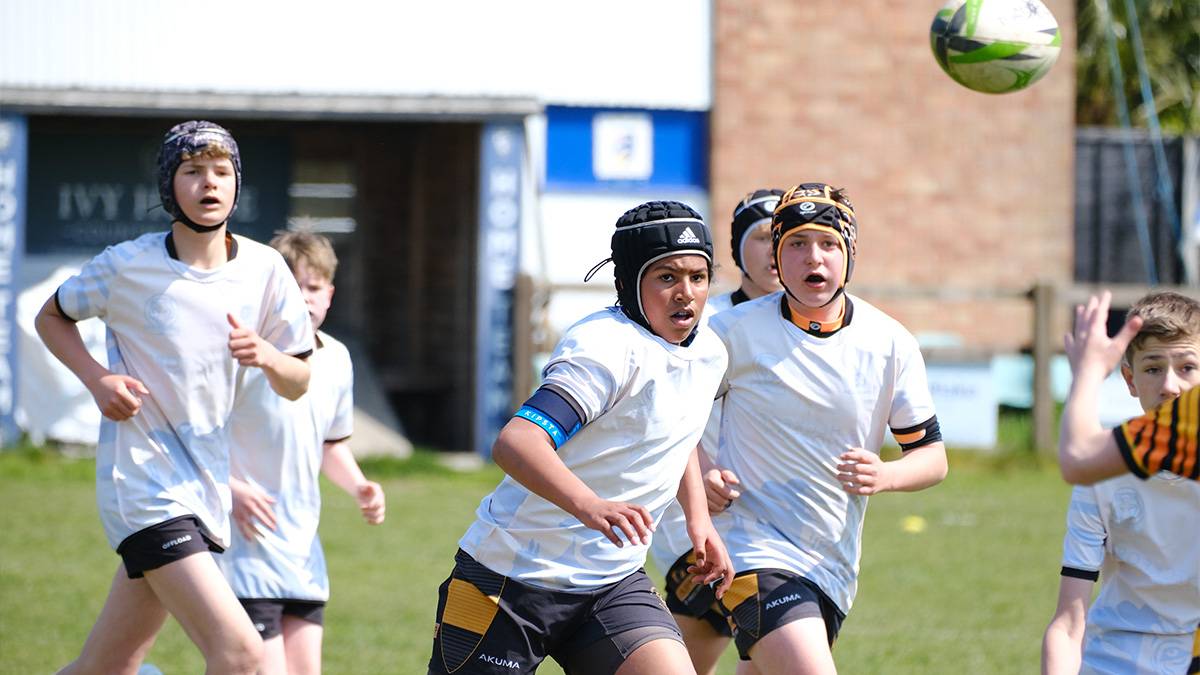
308	248
1166	317
214	150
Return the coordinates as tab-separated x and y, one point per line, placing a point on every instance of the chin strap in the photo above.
196	227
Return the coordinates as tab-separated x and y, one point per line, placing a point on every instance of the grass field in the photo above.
971	593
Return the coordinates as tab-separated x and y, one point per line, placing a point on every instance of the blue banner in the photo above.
500	159
606	149
14	145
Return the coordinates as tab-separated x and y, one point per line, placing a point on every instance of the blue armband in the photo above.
554	412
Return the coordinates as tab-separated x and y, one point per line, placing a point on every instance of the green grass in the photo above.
971	593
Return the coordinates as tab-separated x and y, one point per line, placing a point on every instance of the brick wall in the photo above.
953	189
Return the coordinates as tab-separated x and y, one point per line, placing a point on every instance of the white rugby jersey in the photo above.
671	538
645	402
166	326
1144	617
278	446
793	403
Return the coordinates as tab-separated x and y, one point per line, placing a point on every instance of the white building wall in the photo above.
617	53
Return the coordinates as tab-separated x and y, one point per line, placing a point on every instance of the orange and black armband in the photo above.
911	438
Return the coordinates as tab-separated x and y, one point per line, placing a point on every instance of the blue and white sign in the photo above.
964	396
596	149
501	159
622	146
14	135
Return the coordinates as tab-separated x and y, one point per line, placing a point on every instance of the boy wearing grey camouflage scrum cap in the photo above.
185	309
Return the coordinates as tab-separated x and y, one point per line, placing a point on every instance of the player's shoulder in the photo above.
747	315
604	326
879	325
150	242
334	348
256	251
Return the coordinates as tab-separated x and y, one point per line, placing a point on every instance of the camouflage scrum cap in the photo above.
190	138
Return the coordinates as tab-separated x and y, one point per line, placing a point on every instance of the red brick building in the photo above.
964	192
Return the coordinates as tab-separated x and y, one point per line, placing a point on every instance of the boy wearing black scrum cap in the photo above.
706	631
816	377
185	309
552	565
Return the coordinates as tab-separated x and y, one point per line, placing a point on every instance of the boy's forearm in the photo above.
340	467
524	452
1087	452
61	336
288	376
1061	653
919	468
1062	645
691	491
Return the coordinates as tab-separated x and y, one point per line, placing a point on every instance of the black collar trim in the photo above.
231	247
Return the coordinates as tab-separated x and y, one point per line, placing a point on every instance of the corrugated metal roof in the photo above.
619	53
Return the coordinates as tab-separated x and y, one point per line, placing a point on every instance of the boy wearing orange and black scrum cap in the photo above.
816	378
185	310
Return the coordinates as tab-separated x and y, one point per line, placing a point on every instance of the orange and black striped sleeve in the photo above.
1194	668
1164	439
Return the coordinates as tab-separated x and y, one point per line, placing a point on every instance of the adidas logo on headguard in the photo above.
687	237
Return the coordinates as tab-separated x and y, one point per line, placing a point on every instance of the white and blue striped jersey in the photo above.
167	327
793	403
644	402
278	446
1127	531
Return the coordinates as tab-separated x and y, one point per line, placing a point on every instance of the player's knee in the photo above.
242	653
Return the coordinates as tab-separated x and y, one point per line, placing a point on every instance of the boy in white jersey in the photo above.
706	631
1125	529
552	564
279	449
185	310
815	379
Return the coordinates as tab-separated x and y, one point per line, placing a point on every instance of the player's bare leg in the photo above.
704	644
124	632
302	640
799	648
274	657
195	592
658	657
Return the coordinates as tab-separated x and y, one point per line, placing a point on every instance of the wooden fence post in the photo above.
522	344
1044	301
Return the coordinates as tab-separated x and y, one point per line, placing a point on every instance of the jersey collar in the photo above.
813	327
231	246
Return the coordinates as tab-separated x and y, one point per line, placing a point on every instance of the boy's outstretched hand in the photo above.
1088	347
371	502
247	347
713	564
117	396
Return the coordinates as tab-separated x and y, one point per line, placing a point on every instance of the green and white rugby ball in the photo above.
995	46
